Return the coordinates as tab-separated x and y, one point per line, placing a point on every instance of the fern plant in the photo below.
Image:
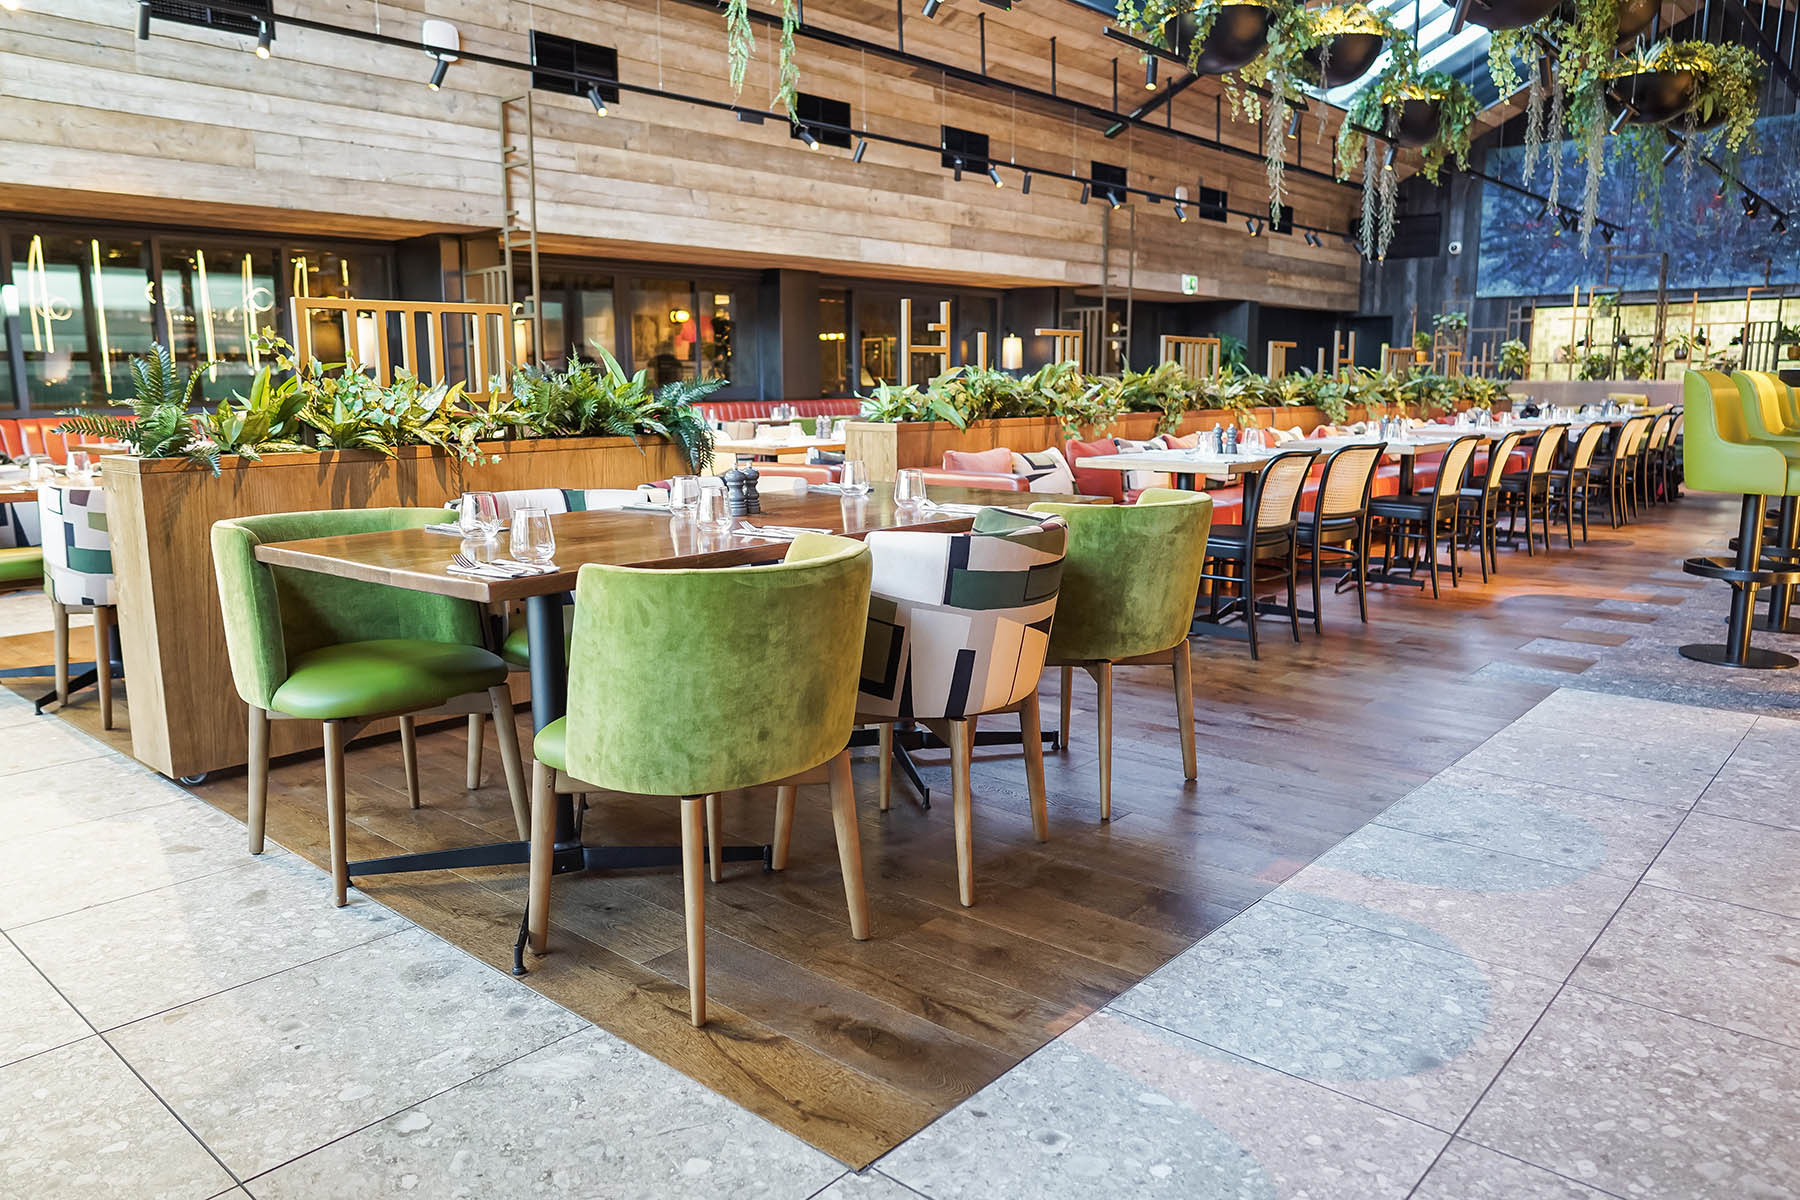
161	424
600	400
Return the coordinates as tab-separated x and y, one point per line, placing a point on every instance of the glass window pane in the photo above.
834	367
717	333
877	325
663	329
218	297
84	308
975	316
597	329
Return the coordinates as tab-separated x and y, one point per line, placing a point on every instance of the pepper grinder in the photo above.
752	498
735	504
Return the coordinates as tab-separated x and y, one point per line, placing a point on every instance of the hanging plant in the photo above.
1726	97
1310	47
740	44
1215	36
1432	113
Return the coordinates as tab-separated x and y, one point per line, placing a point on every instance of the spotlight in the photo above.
1544	211
1752	204
1150	72
1719	192
1181	212
1780	224
596	99
1567	218
1669	154
265	34
956	169
862	147
1253	225
749	116
1387	160
1313	239
1087	190
1294	126
437	74
440	40
931	7
1025	184
143	20
1112	198
994	174
806	135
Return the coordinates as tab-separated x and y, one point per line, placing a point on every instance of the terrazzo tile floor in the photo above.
1565	967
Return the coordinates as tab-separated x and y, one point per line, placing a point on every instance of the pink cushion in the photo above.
1186	441
994	462
1095	483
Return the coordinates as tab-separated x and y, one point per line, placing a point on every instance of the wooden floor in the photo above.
854	1046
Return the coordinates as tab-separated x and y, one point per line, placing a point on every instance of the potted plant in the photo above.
1654	85
161	424
1342	41
1788	338
1510	14
1422	341
1636	362
1515	358
1431	112
1687	345
1594	366
1214	36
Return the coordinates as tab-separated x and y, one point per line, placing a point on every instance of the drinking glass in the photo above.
38	470
909	488
684	494
713	513
855	480
479	515
532	540
81	463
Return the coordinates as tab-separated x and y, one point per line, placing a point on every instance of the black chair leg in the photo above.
1431	559
1455	570
1249	593
1362	576
1318	608
1293	591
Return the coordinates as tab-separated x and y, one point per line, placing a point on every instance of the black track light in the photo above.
1254	226
956	169
1780	224
1113	199
1150	72
1087	190
1619	121
931	7
749	116
1719	192
265	35
596	99
1294	126
1752	204
1181	212
1606	234
1544	211
1387	160
994	174
862	148
806	136
1025	184
143	20
1669	154
437	74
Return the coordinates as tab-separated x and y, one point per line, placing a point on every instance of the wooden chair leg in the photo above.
1184	708
1066	699
258	771
884	741
336	736
543	853
409	755
715	836
506	729
477	724
693	896
1031	734
59	621
103	680
962	737
849	844
1103	708
784	827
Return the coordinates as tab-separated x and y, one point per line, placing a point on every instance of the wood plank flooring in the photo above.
854	1046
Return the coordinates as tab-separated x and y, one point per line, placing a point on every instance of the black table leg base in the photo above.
569	858
1755	658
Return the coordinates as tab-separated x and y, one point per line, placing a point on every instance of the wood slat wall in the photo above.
340	136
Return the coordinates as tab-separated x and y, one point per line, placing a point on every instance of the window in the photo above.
682	331
1213	203
217	298
1284	223
964	147
572	65
877	340
817	112
84	309
184	13
1109	181
834	332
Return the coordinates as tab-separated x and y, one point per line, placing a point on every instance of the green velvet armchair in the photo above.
312	647
1129	585
691	683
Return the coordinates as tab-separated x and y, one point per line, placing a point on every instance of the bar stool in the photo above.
1719	455
1767	416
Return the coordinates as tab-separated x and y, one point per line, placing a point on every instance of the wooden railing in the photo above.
438	342
1200	357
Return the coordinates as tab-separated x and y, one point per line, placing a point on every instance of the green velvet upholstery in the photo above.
392	675
516	649
21	564
683	683
1718	453
1131	575
551	746
274	616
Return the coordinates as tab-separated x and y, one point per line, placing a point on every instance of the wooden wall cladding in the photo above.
186	717
337	136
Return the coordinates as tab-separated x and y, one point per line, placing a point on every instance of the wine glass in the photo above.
855	480
532	539
684	495
81	464
479	515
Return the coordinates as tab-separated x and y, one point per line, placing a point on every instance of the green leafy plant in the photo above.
1637	362
1376	110
1152	21
1597	365
161	423
1451	322
1515	358
601	400
267	421
740	44
1165	389
1422	341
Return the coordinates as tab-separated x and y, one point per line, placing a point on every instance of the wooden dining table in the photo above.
1188	465
417	560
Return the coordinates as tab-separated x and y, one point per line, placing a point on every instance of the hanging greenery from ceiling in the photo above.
1431	112
1181	26
740	44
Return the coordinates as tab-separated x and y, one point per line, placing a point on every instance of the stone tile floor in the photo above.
1568	966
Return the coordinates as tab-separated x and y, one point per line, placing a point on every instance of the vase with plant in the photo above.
1788	338
1515	358
1214	36
1597	365
1636	361
162	422
1422	344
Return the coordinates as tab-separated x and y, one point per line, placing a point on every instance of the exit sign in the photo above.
1190	285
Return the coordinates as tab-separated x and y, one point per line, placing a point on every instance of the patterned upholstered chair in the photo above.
78	577
21	558
959	624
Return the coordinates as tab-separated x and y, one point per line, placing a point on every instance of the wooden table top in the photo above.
417	560
725	445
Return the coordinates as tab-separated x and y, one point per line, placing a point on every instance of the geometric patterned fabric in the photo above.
78	568
959	622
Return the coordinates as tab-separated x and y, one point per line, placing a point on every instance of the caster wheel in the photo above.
193	780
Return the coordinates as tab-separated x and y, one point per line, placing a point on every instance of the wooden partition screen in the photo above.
1065	343
1200	357
438	342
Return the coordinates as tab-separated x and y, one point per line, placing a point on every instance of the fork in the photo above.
463	561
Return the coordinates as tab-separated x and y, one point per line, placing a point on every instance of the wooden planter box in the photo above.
186	718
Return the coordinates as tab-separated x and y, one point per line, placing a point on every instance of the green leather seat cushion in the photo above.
19	563
392	675
551	746
517	647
